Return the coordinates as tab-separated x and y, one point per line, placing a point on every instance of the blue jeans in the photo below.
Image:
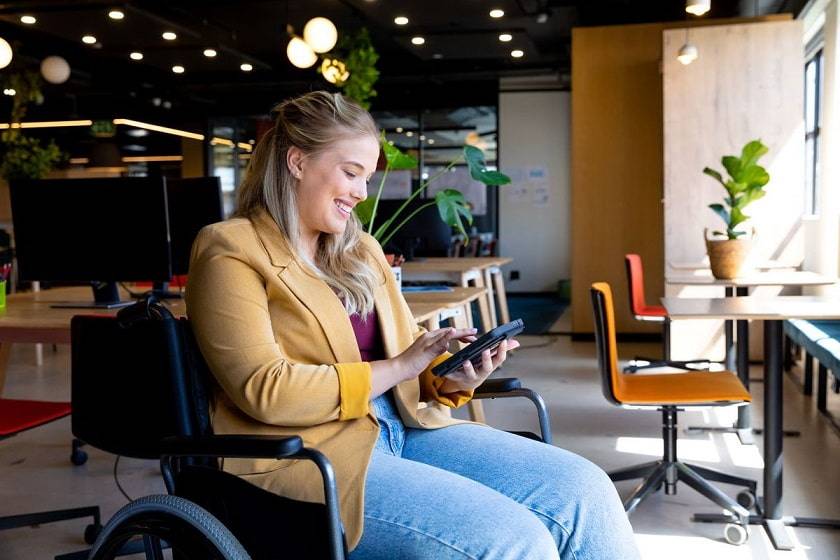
471	491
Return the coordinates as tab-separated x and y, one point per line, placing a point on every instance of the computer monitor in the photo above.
193	204
425	235
100	231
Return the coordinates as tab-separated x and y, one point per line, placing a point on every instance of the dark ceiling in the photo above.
461	60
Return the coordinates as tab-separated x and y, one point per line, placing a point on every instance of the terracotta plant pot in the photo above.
727	257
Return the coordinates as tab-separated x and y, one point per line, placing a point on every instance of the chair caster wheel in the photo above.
746	498
78	457
735	534
91	532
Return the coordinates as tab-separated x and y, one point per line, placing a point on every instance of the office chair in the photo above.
17	416
141	389
652	313
669	393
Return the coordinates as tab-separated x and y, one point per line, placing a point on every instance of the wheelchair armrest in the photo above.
499	385
232	446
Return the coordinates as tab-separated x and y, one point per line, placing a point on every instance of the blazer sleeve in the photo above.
227	305
430	383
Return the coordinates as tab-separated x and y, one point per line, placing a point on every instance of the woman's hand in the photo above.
415	359
467	378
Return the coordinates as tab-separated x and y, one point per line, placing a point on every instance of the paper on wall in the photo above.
475	192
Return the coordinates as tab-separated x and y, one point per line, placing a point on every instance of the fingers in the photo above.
464	333
501	354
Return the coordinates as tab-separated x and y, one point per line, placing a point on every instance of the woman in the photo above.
301	322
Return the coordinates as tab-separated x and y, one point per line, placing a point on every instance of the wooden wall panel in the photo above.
617	160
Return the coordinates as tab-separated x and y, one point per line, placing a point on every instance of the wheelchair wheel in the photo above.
189	530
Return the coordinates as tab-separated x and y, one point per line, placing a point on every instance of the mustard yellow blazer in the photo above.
282	349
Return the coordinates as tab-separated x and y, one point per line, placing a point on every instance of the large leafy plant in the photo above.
745	185
450	203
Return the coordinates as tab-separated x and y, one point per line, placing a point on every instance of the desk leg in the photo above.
729	338
491	301
501	295
475	408
484	304
743	426
5	352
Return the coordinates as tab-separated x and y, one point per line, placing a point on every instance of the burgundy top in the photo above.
367	336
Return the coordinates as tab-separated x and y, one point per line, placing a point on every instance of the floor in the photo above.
36	473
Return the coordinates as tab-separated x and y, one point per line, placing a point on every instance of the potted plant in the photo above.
451	204
745	185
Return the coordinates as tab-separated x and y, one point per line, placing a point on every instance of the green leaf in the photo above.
733	187
394	158
478	168
733	166
751	152
714	174
755	175
720	211
452	206
736	217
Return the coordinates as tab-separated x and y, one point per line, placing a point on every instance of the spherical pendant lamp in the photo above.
5	53
321	34
55	69
300	53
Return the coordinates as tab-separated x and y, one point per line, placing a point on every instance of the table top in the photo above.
704	265
455	264
28	316
760	278
750	307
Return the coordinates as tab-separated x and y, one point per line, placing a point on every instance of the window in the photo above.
813	116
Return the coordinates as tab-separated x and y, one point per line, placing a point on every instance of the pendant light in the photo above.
5	53
698	7
300	53
320	34
687	54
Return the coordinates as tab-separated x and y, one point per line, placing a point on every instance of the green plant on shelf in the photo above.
745	185
451	204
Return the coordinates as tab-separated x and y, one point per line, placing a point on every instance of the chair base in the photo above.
42	517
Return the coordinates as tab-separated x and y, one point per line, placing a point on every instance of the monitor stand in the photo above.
161	291
106	295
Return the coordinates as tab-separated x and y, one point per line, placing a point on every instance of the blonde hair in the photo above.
312	123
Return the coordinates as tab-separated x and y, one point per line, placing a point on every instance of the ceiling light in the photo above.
136	55
210	53
505	37
431	140
399	130
169	35
497	13
28	20
334	71
156	128
137	132
116	14
401	20
178	69
516	53
698	7
542	17
409	133
245	67
89	39
300	53
688	54
321	34
9	91
5	53
437	56
417	40
422	137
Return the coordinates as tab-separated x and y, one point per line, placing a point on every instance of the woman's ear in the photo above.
294	161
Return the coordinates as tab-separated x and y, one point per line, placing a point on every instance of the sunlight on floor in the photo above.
742	455
662	547
689	449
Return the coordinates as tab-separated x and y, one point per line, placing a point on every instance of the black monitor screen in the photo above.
193	204
425	235
88	230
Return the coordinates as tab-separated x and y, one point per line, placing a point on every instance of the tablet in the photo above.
473	350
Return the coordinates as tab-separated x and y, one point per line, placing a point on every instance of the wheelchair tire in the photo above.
191	531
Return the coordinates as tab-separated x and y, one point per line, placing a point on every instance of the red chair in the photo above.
652	313
17	416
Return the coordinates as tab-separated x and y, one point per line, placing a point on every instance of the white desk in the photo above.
772	311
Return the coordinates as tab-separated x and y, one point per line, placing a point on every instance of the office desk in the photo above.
737	357
773	311
704	265
483	272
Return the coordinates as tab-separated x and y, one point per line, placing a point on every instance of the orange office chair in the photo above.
652	313
669	393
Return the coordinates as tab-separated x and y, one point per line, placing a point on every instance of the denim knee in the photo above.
525	538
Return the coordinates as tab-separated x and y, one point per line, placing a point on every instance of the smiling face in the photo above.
331	183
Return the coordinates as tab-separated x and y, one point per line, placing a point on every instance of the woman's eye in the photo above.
350	175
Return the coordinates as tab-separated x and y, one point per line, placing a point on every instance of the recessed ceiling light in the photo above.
431	140
89	39
137	132
401	20
409	133
136	55
245	67
437	56
28	20
417	40
517	53
422	137
210	53
497	13
505	37
399	130
169	35
116	14
178	69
